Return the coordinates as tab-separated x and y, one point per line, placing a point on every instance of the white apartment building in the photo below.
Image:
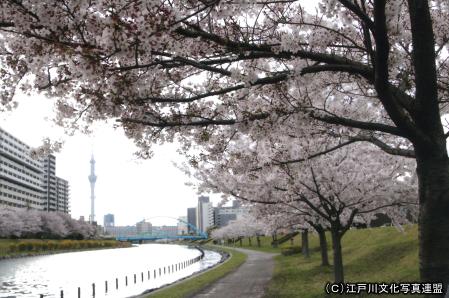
62	195
205	214
26	182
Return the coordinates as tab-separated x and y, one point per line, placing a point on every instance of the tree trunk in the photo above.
275	238
323	247
249	241
258	240
433	177
430	150
240	240
338	257
305	243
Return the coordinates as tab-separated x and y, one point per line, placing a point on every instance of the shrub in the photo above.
13	248
52	245
44	245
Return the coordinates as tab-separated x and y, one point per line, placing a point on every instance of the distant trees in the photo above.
247	226
22	223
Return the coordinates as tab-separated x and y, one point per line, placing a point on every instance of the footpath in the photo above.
249	280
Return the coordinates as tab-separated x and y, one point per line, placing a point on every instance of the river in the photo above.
48	275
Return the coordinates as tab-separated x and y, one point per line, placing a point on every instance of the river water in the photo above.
48	275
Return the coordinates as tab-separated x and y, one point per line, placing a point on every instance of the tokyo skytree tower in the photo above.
92	180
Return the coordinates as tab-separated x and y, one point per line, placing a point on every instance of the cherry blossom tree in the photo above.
247	226
340	188
31	222
25	223
287	215
53	225
355	70
10	224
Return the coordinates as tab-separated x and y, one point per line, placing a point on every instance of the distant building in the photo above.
29	183
182	225
121	231
191	220
165	231
203	199
143	227
108	220
223	215
204	214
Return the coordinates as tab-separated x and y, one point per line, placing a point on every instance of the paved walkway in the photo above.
249	280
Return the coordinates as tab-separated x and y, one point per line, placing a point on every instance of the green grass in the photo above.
265	244
193	285
369	255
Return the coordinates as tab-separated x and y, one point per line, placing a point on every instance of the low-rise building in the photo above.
165	231
121	231
144	228
223	215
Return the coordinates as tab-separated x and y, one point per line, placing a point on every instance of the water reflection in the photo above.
48	275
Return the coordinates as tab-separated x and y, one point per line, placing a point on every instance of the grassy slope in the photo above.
265	244
369	255
190	286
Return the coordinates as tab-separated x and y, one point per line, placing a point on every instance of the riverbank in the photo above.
19	248
369	255
198	281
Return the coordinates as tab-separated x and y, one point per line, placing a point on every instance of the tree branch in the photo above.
371	126
385	147
358	12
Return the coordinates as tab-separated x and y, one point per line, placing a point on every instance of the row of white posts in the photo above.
163	270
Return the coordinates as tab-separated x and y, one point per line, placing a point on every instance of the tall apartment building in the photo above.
191	220
204	214
26	182
62	195
20	175
49	183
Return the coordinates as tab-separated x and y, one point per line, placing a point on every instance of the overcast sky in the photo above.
132	189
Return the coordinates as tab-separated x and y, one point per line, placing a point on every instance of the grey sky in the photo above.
130	188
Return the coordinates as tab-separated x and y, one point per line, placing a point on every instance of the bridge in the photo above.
165	235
